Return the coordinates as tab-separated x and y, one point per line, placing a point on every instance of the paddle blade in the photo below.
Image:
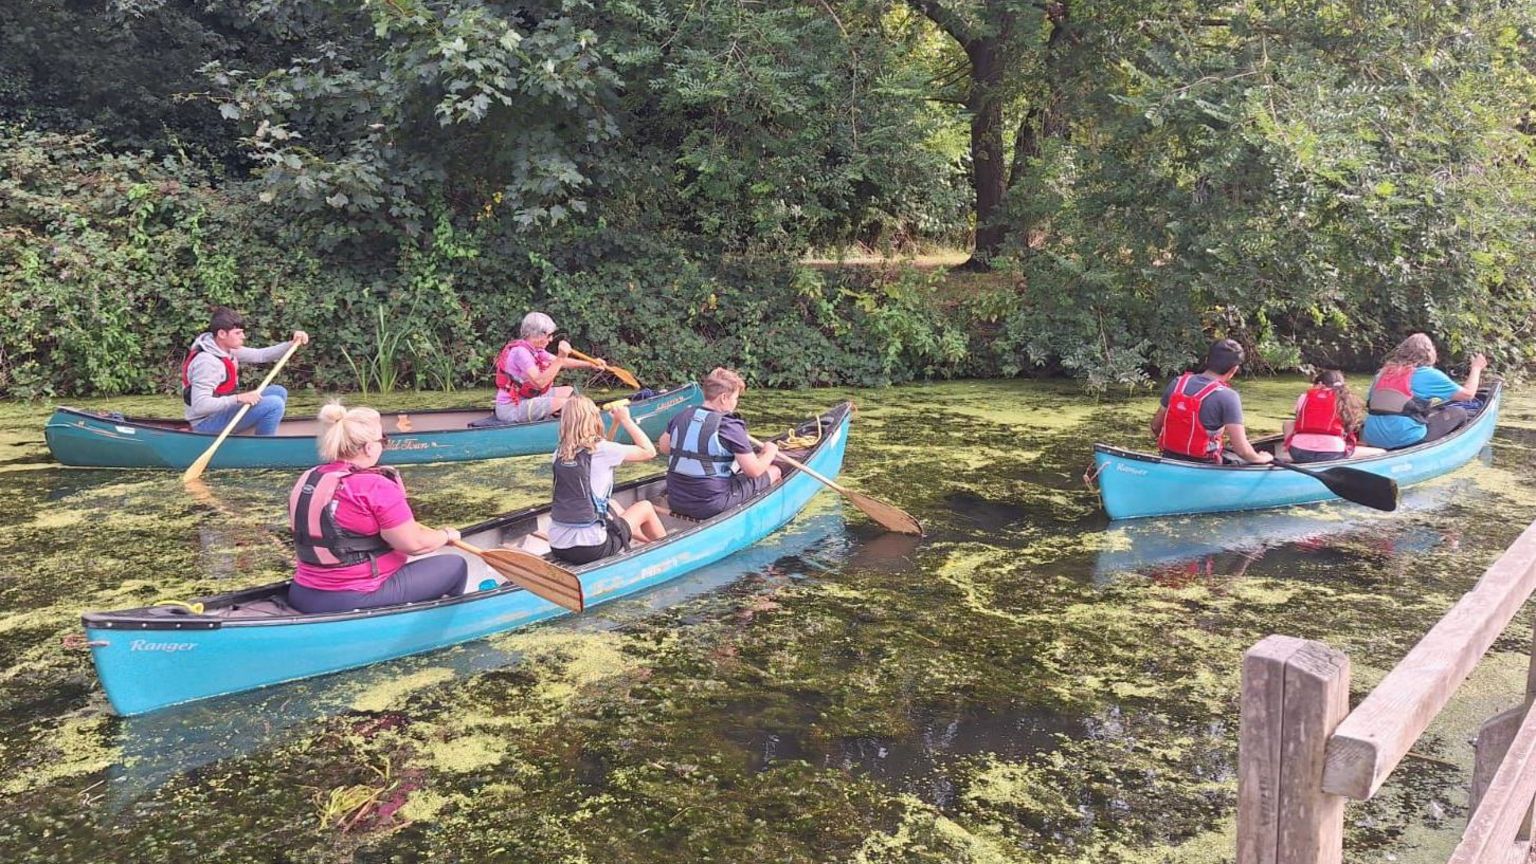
196	469
1361	487
890	517
544	578
625	375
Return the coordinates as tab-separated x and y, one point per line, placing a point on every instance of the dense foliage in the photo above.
110	260
1315	184
406	177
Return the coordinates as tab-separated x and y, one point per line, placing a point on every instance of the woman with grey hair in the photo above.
1408	399
525	372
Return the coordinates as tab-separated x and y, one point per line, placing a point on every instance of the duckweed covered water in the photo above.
1029	683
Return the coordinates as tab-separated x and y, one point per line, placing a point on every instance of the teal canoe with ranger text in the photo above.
102	440
157	656
1133	484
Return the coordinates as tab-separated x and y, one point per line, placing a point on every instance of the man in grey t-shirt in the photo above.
1220	410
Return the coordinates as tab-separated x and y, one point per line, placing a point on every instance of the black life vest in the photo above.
574	503
225	387
317	538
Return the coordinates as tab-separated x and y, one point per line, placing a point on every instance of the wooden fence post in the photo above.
1489	749
1492	745
1294	693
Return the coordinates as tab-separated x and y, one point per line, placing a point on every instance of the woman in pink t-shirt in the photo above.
354	530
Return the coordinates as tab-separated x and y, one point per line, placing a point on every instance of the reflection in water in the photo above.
920	762
984	514
1227	544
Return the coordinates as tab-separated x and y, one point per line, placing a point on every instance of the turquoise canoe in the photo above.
1133	484
102	440
154	657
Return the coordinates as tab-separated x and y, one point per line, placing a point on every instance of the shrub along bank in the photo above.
108	263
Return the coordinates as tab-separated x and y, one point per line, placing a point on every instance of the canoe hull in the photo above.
143	670
1134	485
88	439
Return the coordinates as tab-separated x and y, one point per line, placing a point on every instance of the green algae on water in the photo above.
389	694
982	695
76	748
465	753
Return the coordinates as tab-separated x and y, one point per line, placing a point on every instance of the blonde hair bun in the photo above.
344	432
332	413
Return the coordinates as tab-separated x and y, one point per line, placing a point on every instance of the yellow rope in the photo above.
194	608
791	441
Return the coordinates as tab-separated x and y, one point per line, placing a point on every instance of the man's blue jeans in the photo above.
263	416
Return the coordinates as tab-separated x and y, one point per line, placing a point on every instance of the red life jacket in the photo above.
1392	394
317	538
225	388
1319	415
1183	434
520	390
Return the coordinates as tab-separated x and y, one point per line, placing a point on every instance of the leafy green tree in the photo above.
390	105
1315	180
776	126
1008	80
124	71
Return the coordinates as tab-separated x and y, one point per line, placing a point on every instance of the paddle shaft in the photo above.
619	372
613	431
196	468
797	464
890	517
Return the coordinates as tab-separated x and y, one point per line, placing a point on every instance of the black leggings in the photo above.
422	579
1443	422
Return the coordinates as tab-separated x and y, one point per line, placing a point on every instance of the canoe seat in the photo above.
271	606
674	521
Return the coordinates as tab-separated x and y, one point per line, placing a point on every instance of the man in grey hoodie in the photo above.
210	377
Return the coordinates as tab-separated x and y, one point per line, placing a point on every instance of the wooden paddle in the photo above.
196	469
890	517
1352	484
613	431
619	372
544	578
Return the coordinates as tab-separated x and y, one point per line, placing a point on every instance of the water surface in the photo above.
1029	683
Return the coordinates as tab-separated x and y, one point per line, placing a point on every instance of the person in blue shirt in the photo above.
1409	398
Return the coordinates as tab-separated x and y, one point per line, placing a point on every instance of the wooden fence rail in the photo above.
1302	753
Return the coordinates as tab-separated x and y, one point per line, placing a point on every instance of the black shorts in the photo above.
740	489
617	541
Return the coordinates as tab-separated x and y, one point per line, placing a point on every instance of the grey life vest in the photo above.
697	450
574	503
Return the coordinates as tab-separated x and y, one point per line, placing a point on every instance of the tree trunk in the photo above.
1046	120
989	167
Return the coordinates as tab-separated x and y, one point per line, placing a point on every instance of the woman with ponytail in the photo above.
1328	421
354	530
